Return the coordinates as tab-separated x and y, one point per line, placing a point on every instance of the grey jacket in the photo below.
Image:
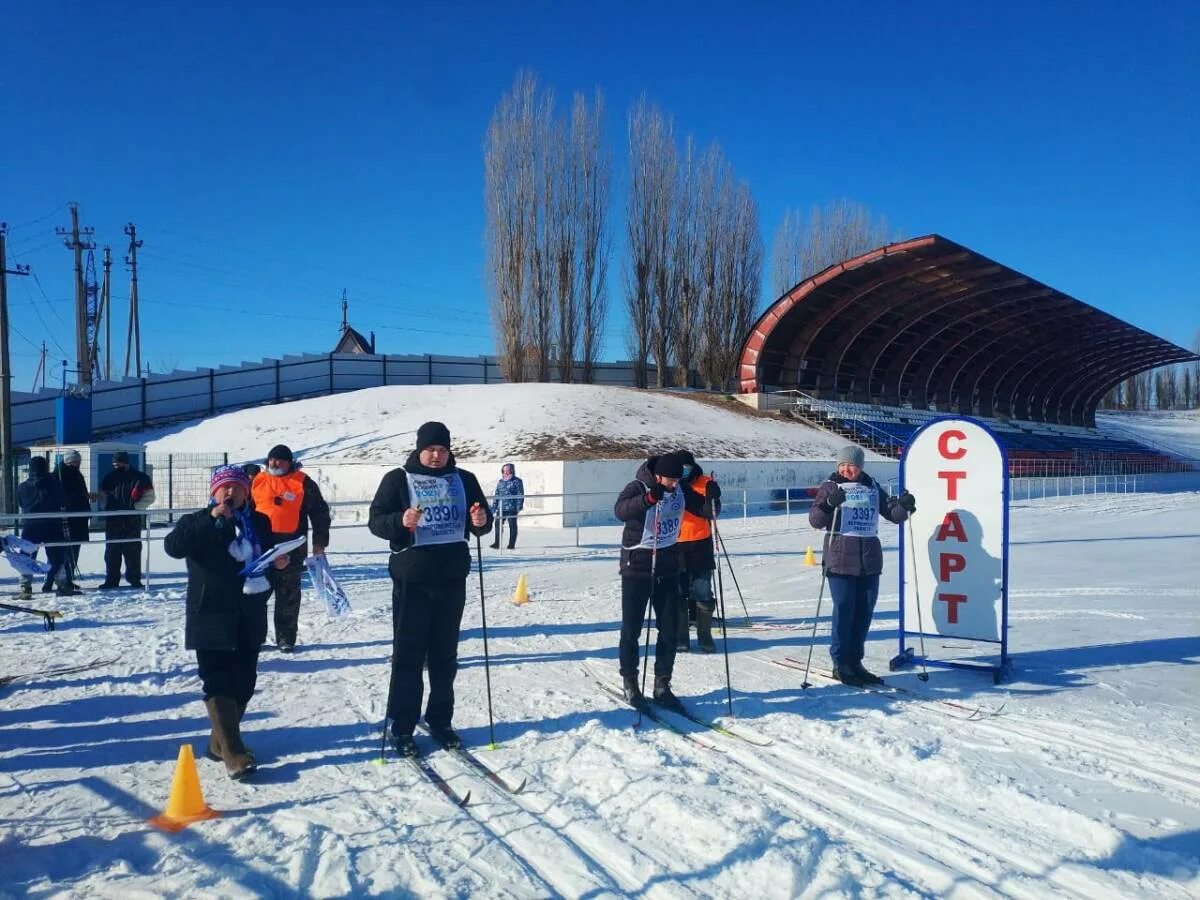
846	555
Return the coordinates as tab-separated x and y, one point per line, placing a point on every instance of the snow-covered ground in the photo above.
497	421
1087	784
1176	431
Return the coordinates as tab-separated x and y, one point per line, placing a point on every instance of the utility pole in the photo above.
79	240
133	340
40	372
106	312
345	311
7	469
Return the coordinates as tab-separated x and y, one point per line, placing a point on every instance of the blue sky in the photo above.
272	154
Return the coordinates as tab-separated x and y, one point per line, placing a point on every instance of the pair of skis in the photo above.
959	710
662	715
472	762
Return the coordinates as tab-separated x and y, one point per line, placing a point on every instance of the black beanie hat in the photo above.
669	465
433	433
38	465
685	457
280	451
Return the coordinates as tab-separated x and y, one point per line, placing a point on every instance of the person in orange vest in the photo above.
292	501
702	502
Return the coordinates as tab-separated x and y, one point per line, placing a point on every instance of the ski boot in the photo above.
663	696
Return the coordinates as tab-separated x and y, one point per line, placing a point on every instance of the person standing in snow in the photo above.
510	500
651	506
426	511
847	506
702	503
78	500
291	501
226	618
41	493
124	488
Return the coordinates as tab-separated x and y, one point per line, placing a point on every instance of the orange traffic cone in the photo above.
186	803
809	558
521	594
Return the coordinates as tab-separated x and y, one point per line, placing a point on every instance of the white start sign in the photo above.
954	572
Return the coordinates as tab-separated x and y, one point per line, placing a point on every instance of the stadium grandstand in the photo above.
873	347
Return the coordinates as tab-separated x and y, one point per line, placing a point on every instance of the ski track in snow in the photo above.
1087	786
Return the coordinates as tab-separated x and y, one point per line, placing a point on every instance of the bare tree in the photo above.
510	212
837	232
649	131
685	260
593	165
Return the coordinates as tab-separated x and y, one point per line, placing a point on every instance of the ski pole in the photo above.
487	668
829	532
48	615
924	674
397	622
732	574
649	610
724	628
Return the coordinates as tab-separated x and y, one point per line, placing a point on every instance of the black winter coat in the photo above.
215	601
845	554
632	507
433	562
41	494
119	488
76	500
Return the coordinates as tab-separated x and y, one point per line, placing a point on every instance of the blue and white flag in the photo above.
326	586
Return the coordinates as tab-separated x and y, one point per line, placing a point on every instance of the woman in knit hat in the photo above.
226	611
848	506
426	510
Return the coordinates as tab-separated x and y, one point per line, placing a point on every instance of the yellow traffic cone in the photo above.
186	803
521	594
809	558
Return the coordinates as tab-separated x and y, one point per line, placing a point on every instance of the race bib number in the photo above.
670	517
860	512
442	500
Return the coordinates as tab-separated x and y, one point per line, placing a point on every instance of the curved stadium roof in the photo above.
930	323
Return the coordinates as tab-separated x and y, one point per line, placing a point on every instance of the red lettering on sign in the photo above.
949	563
952	483
952	527
944	444
952	601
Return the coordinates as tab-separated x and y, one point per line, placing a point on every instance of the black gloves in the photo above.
712	491
835	498
908	502
655	492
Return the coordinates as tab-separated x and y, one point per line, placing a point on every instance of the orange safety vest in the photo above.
278	497
694	527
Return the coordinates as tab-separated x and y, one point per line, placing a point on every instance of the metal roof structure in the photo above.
932	324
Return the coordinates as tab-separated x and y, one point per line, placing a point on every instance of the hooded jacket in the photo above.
847	554
433	562
510	496
695	536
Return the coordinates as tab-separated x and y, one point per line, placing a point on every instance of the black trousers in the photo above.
635	593
512	531
426	617
131	553
234	673
285	584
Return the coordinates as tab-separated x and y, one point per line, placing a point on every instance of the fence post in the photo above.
148	571
212	393
143	402
745	504
171	486
331	374
787	506
429	368
278	397
384	357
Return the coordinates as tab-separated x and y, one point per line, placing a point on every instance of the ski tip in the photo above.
466	799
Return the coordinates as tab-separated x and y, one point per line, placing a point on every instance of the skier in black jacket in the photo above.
124	488
426	510
651	506
226	611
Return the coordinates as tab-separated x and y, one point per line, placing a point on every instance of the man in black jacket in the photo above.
651	506
226	612
426	510
76	500
124	488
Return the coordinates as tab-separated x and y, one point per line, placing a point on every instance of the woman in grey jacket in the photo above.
848	506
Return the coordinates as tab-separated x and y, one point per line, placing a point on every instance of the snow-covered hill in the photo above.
500	421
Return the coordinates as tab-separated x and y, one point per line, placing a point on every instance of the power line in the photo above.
52	213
